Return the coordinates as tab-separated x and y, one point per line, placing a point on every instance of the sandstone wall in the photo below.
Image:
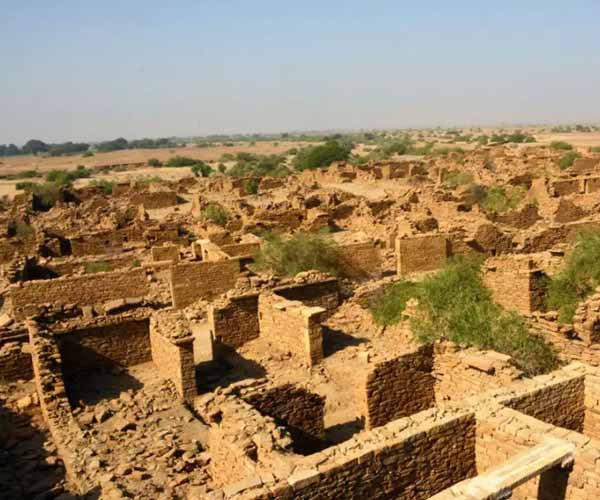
233	321
15	363
397	388
124	343
174	360
372	466
165	252
192	281
292	327
360	261
569	347
154	199
591	423
87	290
421	253
301	411
559	401
324	293
515	283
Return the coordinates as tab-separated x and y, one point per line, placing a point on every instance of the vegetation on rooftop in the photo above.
453	304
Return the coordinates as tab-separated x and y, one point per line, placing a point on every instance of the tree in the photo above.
321	156
34	146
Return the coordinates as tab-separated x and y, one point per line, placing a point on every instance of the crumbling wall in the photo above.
192	281
124	342
421	253
242	442
87	290
301	411
381	464
515	283
557	399
165	252
56	411
154	199
15	362
233	320
323	293
292	326
172	345
397	388
460	374
100	242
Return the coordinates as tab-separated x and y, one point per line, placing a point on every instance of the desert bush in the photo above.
567	160
216	214
202	169
313	157
451	179
154	162
301	252
26	174
454	304
561	146
387	309
66	177
251	186
499	199
578	278
105	185
595	149
180	161
87	154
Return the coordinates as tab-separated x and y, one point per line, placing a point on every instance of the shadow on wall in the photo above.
100	379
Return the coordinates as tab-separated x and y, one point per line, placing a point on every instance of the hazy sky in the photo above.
93	70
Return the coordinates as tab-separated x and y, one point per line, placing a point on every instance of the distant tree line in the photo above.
37	147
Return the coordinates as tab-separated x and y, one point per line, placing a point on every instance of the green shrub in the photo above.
216	214
180	161
567	160
66	177
96	267
578	278
87	154
454	178
154	162
251	186
388	309
595	149
321	156
500	200
106	186
222	168
561	146
455	305
27	174
202	169
301	252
